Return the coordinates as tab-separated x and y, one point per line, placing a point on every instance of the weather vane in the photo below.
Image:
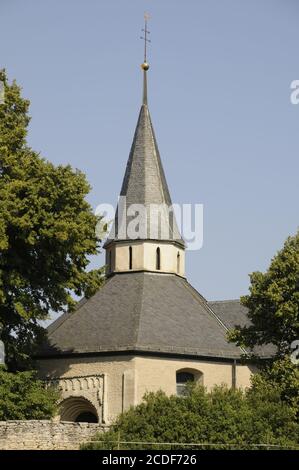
145	65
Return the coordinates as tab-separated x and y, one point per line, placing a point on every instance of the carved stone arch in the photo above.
78	408
64	385
85	382
78	384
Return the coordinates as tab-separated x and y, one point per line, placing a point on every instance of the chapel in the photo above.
147	328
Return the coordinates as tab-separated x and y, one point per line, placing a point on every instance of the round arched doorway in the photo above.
78	409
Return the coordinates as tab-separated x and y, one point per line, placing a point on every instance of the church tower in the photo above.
145	235
147	328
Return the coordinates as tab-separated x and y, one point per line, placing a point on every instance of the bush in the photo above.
222	417
23	396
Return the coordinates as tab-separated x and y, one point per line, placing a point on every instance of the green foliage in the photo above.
282	378
23	396
47	233
224	417
273	302
273	308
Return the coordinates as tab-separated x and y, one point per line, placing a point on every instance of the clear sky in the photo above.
219	96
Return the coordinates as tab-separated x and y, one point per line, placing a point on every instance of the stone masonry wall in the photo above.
45	434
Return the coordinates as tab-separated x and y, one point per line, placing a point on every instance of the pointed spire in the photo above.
144	182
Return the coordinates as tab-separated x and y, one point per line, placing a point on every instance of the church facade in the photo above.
147	328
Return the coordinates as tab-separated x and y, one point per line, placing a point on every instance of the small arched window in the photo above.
178	263
130	258
158	259
182	378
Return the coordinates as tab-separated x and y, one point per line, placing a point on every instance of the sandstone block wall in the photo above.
128	378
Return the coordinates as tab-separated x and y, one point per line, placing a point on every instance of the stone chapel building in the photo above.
147	328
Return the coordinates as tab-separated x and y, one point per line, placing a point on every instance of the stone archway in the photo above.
78	409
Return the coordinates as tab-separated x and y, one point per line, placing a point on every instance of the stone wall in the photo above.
45	434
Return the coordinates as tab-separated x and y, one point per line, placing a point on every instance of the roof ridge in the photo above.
204	302
156	155
212	312
162	180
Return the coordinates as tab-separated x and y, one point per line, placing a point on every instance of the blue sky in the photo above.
219	96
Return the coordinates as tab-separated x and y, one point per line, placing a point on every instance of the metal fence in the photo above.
146	445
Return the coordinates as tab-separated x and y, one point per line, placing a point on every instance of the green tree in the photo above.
23	396
273	303
222	417
47	233
273	308
280	377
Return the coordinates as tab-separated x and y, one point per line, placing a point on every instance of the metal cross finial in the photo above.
146	32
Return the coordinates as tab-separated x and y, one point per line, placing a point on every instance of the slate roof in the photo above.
233	313
145	183
141	311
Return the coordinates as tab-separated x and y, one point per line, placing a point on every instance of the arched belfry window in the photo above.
158	259
130	258
178	262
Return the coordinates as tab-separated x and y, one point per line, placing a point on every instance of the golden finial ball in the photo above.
145	66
